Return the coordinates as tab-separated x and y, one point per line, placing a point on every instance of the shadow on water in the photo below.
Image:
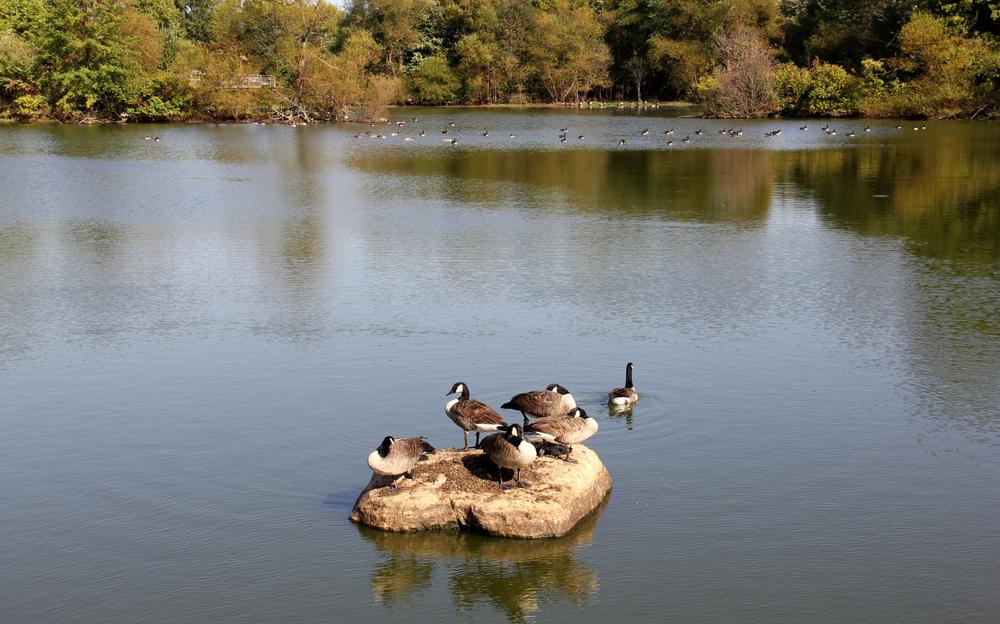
517	577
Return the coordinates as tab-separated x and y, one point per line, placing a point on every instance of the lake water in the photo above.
202	338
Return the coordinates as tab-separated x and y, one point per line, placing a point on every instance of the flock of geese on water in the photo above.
564	133
554	417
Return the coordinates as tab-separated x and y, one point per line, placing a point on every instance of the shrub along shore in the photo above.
300	61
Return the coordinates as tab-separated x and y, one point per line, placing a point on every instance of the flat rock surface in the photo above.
459	489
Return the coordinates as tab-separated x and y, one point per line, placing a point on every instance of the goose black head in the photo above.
383	449
515	434
557	388
460	387
577	411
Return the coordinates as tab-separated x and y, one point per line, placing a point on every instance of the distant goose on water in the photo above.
395	457
573	428
509	449
627	396
470	414
555	400
621	141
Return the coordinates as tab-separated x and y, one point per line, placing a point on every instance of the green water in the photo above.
202	338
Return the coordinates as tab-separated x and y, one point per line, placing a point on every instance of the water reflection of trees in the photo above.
941	191
699	185
516	577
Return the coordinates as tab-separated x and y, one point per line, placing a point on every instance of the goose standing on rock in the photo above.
570	429
509	449
470	414
627	396
395	457
555	400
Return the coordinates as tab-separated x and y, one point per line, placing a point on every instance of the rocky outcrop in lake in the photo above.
454	489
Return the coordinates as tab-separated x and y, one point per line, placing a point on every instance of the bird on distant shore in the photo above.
554	400
395	457
573	428
621	141
627	396
470	414
509	449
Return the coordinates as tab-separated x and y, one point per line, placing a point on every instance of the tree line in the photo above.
305	60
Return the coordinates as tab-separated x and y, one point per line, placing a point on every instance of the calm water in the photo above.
202	338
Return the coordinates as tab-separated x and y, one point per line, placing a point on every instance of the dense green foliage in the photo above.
302	60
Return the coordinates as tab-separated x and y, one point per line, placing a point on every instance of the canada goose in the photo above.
409	138
445	131
580	137
157	139
149	138
555	400
851	133
621	141
868	128
698	131
423	133
644	132
627	396
562	139
509	449
486	134
670	142
450	141
670	131
574	427
686	139
470	414
803	127
451	123
513	136
395	457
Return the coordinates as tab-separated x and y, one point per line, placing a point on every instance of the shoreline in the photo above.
693	112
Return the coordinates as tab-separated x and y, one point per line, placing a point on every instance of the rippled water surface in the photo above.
201	339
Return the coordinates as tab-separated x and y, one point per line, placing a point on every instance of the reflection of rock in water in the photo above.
400	575
515	576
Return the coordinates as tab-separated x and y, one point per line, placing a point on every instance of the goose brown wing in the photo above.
493	445
474	412
540	402
554	425
619	392
412	448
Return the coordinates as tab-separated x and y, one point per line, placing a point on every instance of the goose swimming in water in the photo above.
509	449
627	396
574	427
554	400
470	414
395	457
